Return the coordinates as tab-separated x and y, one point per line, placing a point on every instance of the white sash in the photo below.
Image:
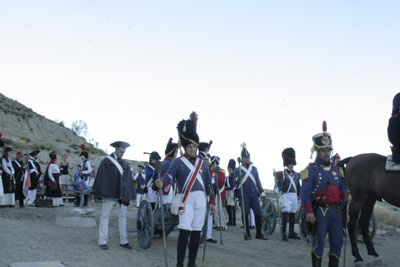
34	167
16	162
119	167
150	182
247	175
192	169
291	181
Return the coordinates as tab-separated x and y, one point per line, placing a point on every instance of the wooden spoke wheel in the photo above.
268	216
145	224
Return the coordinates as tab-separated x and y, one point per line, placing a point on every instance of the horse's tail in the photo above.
343	163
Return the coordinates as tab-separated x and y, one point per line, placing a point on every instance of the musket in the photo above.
160	193
205	233
242	197
219	209
345	233
277	203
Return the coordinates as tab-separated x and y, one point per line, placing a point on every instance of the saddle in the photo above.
390	165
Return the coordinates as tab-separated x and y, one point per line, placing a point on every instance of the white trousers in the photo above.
288	202
106	208
167	199
151	195
31	197
252	221
139	197
192	218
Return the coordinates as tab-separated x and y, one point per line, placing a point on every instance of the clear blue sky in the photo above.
266	73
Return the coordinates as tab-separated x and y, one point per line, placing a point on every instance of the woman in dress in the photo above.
64	177
51	179
7	177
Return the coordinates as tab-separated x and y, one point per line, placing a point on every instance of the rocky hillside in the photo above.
25	130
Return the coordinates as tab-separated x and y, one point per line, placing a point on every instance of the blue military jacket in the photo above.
151	174
249	185
284	184
315	178
179	172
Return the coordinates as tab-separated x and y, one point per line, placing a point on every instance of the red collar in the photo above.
168	159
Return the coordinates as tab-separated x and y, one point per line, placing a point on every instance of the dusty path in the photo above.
31	235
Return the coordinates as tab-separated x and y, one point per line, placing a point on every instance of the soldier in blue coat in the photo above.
230	197
322	193
246	176
288	183
115	185
150	171
193	211
140	179
170	154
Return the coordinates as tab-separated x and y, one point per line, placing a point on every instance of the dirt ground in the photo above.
31	235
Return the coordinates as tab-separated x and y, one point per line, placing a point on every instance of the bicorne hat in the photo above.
171	149
154	155
84	152
187	131
34	153
289	156
122	144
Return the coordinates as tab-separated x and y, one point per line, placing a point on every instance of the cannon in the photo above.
148	222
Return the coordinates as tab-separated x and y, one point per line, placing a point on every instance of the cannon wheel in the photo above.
305	233
268	216
371	229
145	224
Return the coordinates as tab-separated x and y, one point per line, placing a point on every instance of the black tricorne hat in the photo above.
289	156
154	155
171	149
140	166
187	130
232	164
34	153
122	144
7	149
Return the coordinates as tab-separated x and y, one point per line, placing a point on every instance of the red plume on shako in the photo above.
322	140
84	153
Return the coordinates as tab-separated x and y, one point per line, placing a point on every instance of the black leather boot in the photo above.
233	216
248	235
182	244
193	247
284	224
333	261
259	234
229	210
292	234
316	262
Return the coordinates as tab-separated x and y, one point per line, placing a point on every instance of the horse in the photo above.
368	181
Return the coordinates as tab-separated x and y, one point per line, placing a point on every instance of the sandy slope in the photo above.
31	235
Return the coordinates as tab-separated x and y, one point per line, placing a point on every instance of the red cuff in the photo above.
212	200
164	184
309	208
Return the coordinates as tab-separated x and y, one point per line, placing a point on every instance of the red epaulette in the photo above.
279	175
